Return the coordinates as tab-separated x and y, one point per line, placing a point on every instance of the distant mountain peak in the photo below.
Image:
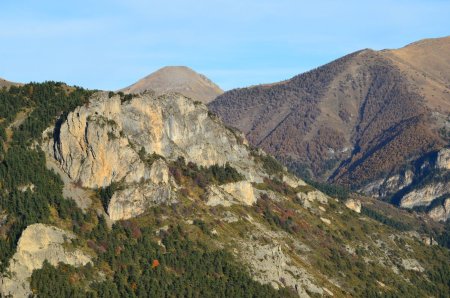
181	79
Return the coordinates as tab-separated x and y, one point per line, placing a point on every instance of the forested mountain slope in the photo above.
154	196
361	121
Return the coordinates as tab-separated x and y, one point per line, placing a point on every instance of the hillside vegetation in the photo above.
191	248
357	121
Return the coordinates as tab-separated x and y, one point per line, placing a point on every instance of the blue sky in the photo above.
111	44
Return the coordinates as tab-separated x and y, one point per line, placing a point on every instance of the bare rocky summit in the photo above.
179	79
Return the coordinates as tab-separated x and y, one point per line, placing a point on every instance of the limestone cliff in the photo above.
424	196
421	185
107	140
232	193
441	212
100	143
242	191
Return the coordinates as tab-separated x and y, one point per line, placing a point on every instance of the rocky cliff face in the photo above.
441	212
425	195
443	159
107	141
389	185
232	193
37	244
425	184
100	143
136	198
354	205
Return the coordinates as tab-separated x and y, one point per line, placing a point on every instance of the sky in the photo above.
109	45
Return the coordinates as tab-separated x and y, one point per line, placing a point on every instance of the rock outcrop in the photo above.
242	191
425	195
443	159
388	186
312	196
217	196
100	143
134	199
38	243
354	205
441	212
409	189
159	172
293	181
412	264
270	265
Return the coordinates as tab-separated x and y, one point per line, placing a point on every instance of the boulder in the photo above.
354	205
242	191
312	196
135	200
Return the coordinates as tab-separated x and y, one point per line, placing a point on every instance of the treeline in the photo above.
12	101
443	238
106	193
302	171
204	176
385	220
48	100
28	190
335	191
